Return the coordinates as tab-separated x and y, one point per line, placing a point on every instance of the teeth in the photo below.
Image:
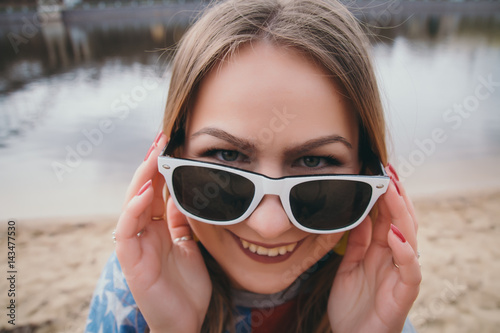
273	252
263	251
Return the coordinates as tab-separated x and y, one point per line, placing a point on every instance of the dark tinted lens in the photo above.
212	194
329	204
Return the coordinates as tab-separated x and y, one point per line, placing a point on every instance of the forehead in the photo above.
274	96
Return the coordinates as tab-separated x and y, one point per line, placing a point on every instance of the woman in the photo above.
268	100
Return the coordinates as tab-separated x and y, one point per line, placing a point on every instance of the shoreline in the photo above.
416	191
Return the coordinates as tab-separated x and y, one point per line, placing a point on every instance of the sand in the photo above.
58	262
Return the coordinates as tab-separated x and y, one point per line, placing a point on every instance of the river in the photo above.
81	101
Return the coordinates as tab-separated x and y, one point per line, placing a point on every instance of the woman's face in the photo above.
271	111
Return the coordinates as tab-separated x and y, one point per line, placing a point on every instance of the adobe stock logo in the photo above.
220	180
453	118
450	293
278	123
211	190
120	110
31	28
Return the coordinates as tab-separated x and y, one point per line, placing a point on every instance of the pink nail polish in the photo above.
393	170
398	233
396	185
144	187
153	146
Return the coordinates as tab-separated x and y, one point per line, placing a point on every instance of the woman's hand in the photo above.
168	279
379	277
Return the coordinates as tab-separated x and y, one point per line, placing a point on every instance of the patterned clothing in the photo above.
113	309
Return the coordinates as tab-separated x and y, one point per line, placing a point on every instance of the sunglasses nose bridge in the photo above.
272	186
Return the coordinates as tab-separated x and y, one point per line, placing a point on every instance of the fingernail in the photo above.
395	184
158	137
153	146
144	187
393	171
398	233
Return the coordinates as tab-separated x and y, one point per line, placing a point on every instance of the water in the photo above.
441	80
81	103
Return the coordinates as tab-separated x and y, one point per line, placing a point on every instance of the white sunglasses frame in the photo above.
272	186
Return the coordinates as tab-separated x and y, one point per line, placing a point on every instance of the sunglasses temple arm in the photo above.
384	173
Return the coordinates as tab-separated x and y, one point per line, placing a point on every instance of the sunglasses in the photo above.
224	195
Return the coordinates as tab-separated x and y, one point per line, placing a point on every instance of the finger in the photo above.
357	245
133	220
409	269
409	207
158	204
393	210
409	204
148	169
177	222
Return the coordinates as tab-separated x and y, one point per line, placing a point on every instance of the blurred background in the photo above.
83	85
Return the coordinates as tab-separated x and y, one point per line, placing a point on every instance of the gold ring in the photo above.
157	218
394	263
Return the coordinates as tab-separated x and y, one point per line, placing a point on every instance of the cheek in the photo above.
201	231
213	237
309	256
322	244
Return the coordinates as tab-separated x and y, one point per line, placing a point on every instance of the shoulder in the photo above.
113	308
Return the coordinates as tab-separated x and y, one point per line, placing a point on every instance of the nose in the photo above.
269	219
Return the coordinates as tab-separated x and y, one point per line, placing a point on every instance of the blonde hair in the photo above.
328	34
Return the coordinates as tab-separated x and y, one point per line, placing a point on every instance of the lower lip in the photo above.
263	258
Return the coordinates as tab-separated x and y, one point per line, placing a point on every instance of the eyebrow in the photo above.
250	147
319	142
242	144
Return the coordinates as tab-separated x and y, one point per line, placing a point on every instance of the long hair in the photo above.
329	35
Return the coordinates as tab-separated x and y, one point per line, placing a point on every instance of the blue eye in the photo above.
224	155
311	161
319	161
228	155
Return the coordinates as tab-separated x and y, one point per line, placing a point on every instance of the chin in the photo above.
263	282
258	287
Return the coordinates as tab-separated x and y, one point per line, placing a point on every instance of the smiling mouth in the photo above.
270	252
267	253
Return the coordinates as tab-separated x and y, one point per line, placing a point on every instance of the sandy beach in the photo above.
58	263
